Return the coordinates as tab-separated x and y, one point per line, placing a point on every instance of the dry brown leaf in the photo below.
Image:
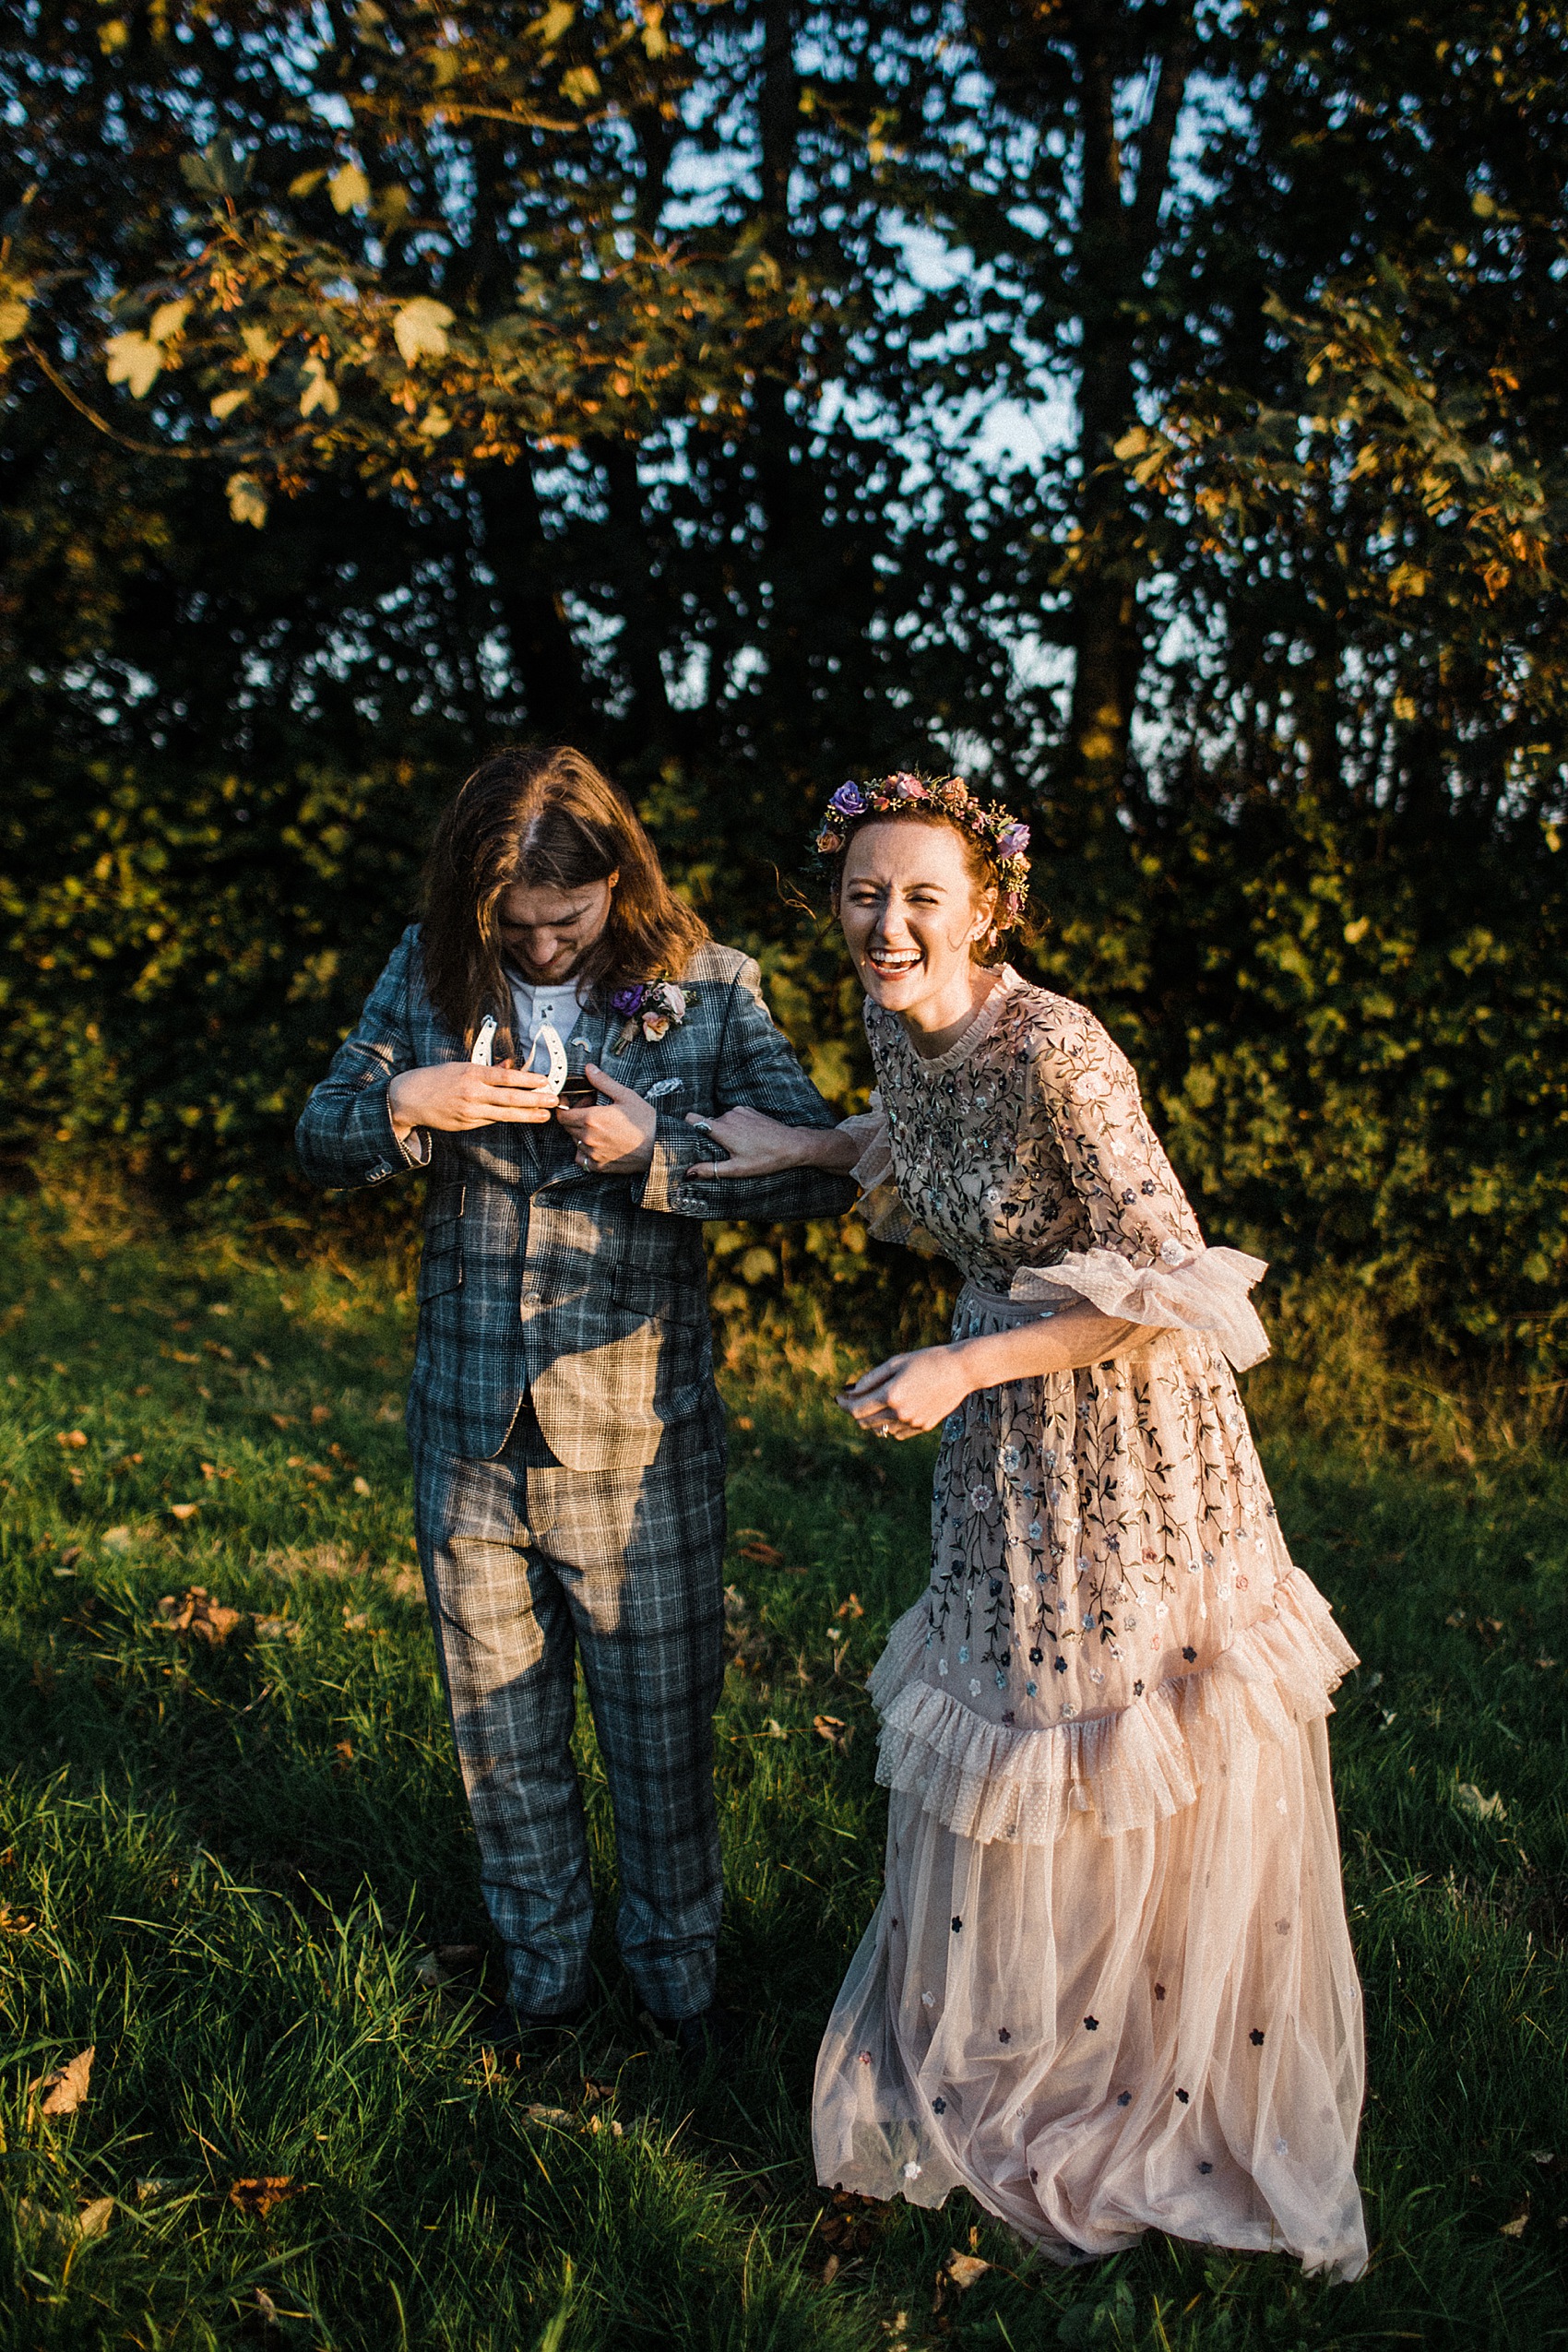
343	1751
75	1438
537	2114
320	1413
765	1555
65	2089
853	1606
965	2270
70	1556
16	1922
1518	2222
95	2218
830	1728
258	2193
183	1510
197	1613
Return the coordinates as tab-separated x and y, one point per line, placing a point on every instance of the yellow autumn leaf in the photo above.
581	86
320	392
434	423
556	22
260	345
223	404
248	500
1132	445
133	359
305	183
420	329
349	188
167	320
65	2089
14	309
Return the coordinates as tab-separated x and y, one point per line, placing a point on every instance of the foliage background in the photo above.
1156	410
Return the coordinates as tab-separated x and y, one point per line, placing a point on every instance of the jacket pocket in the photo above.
657	1298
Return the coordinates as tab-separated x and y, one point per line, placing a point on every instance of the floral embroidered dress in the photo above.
1110	1985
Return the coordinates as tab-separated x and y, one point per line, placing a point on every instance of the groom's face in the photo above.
545	933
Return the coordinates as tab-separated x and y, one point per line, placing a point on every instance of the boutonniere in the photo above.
654	1006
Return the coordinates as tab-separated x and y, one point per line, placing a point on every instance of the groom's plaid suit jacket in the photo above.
587	1292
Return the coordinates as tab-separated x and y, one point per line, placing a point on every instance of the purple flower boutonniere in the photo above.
654	1006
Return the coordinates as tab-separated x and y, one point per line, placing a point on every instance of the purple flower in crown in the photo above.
628	1002
1013	841
849	800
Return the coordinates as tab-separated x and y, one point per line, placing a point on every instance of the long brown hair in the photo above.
544	815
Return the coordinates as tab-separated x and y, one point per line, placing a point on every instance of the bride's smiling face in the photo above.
910	911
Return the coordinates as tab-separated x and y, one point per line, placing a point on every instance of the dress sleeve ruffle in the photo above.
879	1206
1199	1289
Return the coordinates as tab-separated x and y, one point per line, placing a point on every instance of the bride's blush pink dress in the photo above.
1110	1985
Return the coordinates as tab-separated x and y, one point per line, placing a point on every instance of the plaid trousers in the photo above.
526	1562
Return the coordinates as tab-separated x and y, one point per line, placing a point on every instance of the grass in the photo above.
227	1866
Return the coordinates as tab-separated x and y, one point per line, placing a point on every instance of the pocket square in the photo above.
665	1086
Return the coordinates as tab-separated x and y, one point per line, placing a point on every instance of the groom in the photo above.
567	1437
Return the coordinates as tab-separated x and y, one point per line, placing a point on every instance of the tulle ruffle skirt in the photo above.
1110	1985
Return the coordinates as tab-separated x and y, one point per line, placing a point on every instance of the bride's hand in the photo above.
909	1394
756	1144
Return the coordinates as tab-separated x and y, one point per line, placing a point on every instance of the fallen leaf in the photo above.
831	1729
65	2089
276	1629
95	2218
600	2123
1518	2222
257	2194
344	1751
766	1555
182	1356
117	1539
1469	1798
183	1510
354	1621
72	1437
830	2270
196	1612
537	2114
148	2192
965	2270
16	1922
320	1413
853	1606
592	2090
70	1556
361	1486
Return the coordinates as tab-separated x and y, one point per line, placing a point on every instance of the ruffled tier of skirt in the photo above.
1128	1768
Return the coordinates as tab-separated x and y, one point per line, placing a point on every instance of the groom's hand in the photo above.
614	1138
454	1095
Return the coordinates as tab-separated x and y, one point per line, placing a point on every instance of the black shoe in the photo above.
712	2033
502	2026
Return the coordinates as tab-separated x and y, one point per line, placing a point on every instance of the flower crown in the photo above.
987	822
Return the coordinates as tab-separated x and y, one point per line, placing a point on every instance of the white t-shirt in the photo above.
559	1004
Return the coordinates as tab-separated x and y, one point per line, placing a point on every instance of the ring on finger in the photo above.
703	1126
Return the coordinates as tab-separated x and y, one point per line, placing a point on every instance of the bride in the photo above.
1110	1985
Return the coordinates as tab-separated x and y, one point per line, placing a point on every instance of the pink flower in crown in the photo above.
655	1026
